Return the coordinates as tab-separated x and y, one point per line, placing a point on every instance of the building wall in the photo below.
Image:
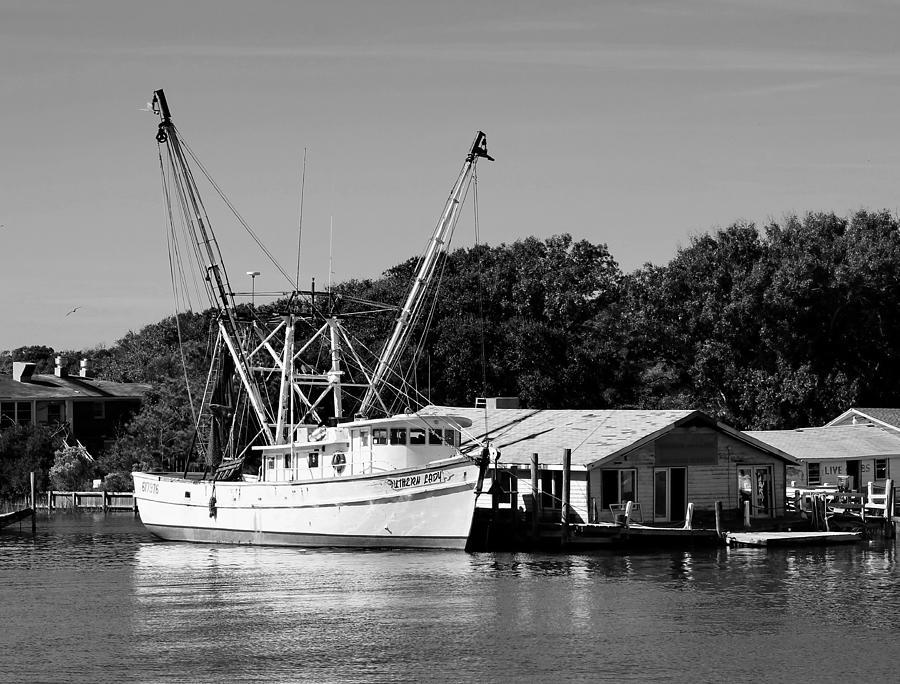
830	469
707	482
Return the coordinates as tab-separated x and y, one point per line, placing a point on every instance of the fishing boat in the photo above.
369	477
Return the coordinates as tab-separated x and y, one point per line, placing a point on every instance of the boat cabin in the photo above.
363	447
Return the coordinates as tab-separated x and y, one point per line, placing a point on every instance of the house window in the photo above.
398	435
618	486
551	489
379	436
23	412
416	436
99	410
881	468
54	413
7	413
813	474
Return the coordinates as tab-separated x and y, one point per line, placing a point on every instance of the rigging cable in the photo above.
169	240
480	300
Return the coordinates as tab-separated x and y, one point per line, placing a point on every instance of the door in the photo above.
755	486
669	494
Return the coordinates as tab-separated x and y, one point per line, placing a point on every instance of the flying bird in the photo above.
73	311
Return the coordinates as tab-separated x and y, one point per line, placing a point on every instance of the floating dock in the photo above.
791	538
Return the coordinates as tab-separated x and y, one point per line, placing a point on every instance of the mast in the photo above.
395	345
218	288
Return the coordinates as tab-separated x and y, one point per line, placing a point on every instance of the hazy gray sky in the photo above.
635	123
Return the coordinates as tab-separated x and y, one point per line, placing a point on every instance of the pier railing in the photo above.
98	500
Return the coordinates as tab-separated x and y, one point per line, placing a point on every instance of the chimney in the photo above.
23	370
61	371
85	371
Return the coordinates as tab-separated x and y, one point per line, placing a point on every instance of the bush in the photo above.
73	469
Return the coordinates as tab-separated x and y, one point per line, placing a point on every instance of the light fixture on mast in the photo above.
252	275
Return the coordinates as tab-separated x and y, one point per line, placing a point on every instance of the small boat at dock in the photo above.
7	519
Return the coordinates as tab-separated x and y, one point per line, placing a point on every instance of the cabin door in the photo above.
669	494
755	486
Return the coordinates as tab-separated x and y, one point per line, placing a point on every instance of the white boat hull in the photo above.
427	507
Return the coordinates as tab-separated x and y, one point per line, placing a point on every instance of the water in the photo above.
95	598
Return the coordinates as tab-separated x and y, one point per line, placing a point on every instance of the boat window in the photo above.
287	461
339	461
364	437
398	435
379	436
436	436
312	459
270	462
451	437
416	436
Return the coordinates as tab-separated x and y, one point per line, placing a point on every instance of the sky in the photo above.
634	123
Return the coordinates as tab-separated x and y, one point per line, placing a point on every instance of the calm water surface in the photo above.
95	598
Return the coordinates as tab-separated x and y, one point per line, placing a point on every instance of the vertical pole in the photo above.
747	515
689	517
33	506
535	497
628	507
49	501
74	501
566	493
719	530
104	500
889	529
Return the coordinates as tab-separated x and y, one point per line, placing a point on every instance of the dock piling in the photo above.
566	475
535	497
33	506
689	517
720	532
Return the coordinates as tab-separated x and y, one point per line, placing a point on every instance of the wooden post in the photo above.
747	515
74	501
566	499
33	506
628	506
889	530
536	497
104	500
688	517
719	531
49	501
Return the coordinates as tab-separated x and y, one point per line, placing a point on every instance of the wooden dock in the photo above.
791	538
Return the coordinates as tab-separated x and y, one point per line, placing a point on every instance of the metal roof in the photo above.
832	443
592	435
51	387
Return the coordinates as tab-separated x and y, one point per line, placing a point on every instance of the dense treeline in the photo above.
775	328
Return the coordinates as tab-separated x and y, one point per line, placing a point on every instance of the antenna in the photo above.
300	220
330	252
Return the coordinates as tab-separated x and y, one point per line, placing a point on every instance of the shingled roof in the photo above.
54	388
592	435
887	417
836	442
